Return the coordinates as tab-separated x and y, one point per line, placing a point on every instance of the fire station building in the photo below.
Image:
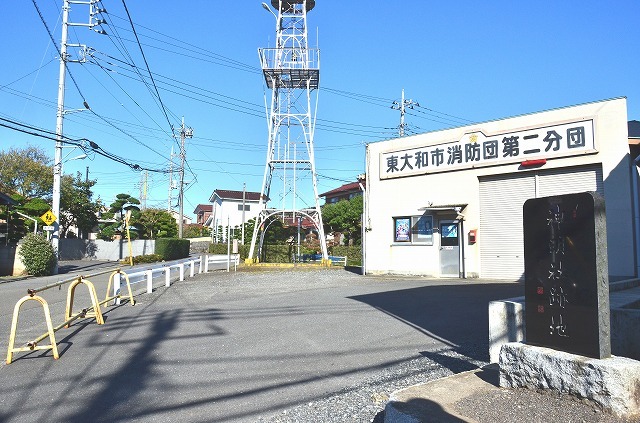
449	203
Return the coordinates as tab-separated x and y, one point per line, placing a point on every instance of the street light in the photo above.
265	6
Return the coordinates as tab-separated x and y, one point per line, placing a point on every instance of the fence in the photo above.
203	265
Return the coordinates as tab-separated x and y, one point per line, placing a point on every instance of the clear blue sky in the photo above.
462	61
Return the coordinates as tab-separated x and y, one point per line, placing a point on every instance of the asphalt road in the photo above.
240	347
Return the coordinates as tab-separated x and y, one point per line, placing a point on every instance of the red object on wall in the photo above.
532	163
473	236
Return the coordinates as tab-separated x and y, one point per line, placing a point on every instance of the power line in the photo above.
81	143
133	28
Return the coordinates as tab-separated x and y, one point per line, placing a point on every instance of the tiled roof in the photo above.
203	207
634	128
350	187
6	200
226	194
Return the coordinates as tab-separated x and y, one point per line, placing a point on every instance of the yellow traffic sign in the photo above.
49	217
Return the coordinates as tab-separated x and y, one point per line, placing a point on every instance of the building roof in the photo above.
204	208
634	128
225	194
5	200
346	188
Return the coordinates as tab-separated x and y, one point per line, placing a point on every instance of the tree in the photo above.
195	230
27	172
117	211
76	205
157	223
19	226
344	216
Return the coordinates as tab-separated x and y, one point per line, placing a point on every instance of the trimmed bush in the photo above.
353	253
38	255
172	248
148	258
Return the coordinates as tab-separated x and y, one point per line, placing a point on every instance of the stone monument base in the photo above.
613	383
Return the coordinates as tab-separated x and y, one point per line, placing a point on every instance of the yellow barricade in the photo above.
126	277
32	345
96	313
92	312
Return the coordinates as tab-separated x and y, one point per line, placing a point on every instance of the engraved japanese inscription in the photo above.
566	280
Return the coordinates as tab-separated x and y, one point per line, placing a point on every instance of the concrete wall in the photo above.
10	263
78	249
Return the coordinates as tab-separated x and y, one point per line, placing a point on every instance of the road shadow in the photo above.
456	315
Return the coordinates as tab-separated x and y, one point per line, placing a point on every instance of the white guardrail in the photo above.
204	264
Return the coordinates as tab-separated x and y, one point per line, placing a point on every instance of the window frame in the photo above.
413	236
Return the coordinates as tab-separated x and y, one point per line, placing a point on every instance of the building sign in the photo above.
477	149
566	274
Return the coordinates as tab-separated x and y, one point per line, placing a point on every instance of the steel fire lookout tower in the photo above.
292	73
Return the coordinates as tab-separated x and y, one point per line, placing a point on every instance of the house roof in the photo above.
350	187
203	207
6	200
634	128
225	194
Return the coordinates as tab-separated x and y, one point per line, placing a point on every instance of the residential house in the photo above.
227	209
344	192
203	212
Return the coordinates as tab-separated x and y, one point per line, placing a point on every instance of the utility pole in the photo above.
404	104
185	132
143	189
64	58
244	196
170	200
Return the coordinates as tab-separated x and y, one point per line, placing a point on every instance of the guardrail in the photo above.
94	311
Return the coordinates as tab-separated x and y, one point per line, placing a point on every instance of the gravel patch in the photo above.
365	402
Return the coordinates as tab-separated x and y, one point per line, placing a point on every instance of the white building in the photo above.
449	203
227	209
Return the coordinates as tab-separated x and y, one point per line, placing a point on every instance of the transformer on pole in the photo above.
292	72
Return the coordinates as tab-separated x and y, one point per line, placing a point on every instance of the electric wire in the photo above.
133	28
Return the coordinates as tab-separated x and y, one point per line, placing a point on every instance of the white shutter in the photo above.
500	237
570	180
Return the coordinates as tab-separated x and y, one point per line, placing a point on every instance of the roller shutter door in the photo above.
571	180
501	199
500	236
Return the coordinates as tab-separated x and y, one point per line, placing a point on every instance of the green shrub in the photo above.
148	258
38	255
353	253
243	250
172	248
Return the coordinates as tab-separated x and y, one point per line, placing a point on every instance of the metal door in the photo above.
449	248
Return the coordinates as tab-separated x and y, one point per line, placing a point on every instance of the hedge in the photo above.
283	253
172	248
38	255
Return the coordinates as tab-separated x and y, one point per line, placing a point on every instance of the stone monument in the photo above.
567	323
566	275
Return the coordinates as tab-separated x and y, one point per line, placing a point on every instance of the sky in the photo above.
462	62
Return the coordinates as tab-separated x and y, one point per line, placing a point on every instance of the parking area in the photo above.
249	346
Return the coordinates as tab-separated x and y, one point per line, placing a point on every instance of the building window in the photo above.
413	229
247	207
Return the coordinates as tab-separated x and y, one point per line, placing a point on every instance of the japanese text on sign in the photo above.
476	149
